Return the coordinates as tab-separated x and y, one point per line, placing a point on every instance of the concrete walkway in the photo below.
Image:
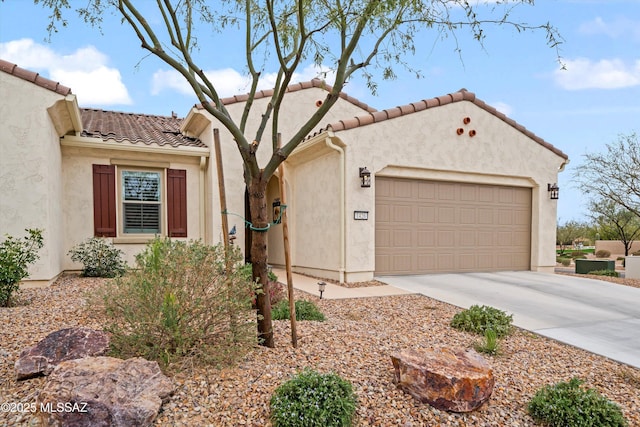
598	316
310	285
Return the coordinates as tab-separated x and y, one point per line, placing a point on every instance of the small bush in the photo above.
478	319
181	304
610	273
99	258
276	290
305	310
578	254
490	344
603	253
311	399
15	257
568	405
566	262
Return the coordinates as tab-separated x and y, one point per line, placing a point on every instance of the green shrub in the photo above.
478	319
568	405
610	273
566	262
305	310
181	304
578	254
99	258
603	253
15	257
311	399
490	344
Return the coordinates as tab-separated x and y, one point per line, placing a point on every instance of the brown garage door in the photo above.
437	227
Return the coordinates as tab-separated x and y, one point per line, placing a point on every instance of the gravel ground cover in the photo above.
355	342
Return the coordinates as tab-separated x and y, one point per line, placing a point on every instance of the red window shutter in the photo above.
104	200
177	202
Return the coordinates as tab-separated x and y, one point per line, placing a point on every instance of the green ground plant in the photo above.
603	253
566	404
478	319
490	344
311	399
16	254
99	258
609	273
181	304
305	310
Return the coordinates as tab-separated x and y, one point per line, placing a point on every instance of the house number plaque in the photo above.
361	215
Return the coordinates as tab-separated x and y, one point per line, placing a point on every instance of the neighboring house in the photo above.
455	185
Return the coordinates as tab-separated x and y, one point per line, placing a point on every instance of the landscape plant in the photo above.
99	258
566	404
490	344
16	255
305	310
479	319
311	399
181	304
609	273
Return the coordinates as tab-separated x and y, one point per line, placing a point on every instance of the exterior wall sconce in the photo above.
276	211
321	286
553	190
365	176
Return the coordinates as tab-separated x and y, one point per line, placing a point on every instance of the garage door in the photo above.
438	227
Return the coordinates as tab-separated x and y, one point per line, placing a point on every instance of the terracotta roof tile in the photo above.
294	88
136	128
33	77
461	95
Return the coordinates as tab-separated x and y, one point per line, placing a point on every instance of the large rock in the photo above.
103	391
65	344
453	381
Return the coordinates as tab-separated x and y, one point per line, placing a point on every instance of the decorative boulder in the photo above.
65	344
459	382
103	392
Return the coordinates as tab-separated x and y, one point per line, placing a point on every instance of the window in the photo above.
141	202
145	206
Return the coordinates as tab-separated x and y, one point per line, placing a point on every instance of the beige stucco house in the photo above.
455	185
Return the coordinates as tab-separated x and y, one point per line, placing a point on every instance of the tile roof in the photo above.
33	77
414	107
136	128
294	88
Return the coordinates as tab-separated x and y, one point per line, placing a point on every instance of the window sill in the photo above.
133	239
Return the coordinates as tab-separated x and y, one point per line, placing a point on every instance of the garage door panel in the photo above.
430	226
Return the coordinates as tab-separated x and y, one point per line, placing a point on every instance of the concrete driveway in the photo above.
595	315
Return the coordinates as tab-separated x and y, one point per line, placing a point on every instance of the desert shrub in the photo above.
478	319
99	258
16	254
181	304
311	399
565	262
305	310
490	344
610	273
568	405
603	253
636	253
578	254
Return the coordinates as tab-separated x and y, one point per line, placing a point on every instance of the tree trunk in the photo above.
259	219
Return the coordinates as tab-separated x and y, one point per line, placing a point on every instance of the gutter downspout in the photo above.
203	202
343	239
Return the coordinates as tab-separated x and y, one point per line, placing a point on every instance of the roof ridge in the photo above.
131	113
294	87
33	77
414	107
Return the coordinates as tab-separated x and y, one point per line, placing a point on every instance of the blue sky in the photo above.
578	109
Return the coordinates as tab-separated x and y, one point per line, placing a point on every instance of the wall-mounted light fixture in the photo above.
553	190
321	286
365	176
276	211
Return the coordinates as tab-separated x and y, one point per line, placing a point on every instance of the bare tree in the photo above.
615	222
614	174
354	36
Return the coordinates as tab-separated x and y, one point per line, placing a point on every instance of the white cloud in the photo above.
619	27
229	82
583	73
85	71
503	107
